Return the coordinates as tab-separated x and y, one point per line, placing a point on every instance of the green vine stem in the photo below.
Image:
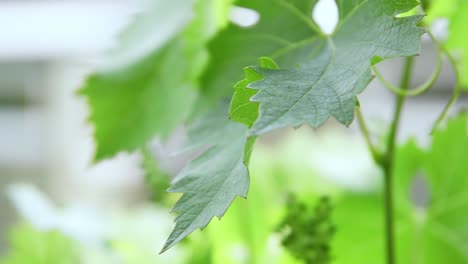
389	163
425	86
386	160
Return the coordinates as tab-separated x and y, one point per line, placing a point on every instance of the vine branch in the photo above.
387	159
389	163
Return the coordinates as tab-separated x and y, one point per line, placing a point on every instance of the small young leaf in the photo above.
242	109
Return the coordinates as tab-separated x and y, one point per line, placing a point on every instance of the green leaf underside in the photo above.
431	235
320	75
131	104
333	70
211	181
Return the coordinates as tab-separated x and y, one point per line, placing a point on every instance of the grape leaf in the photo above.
215	128
321	75
211	181
326	83
434	233
154	93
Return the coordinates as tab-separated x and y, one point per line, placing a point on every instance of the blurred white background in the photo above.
46	50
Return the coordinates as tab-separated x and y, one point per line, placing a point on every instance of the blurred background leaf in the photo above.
29	245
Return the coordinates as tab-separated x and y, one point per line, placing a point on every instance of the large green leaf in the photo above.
333	70
321	75
211	181
446	222
155	91
436	232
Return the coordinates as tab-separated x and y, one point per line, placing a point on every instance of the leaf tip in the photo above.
165	248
